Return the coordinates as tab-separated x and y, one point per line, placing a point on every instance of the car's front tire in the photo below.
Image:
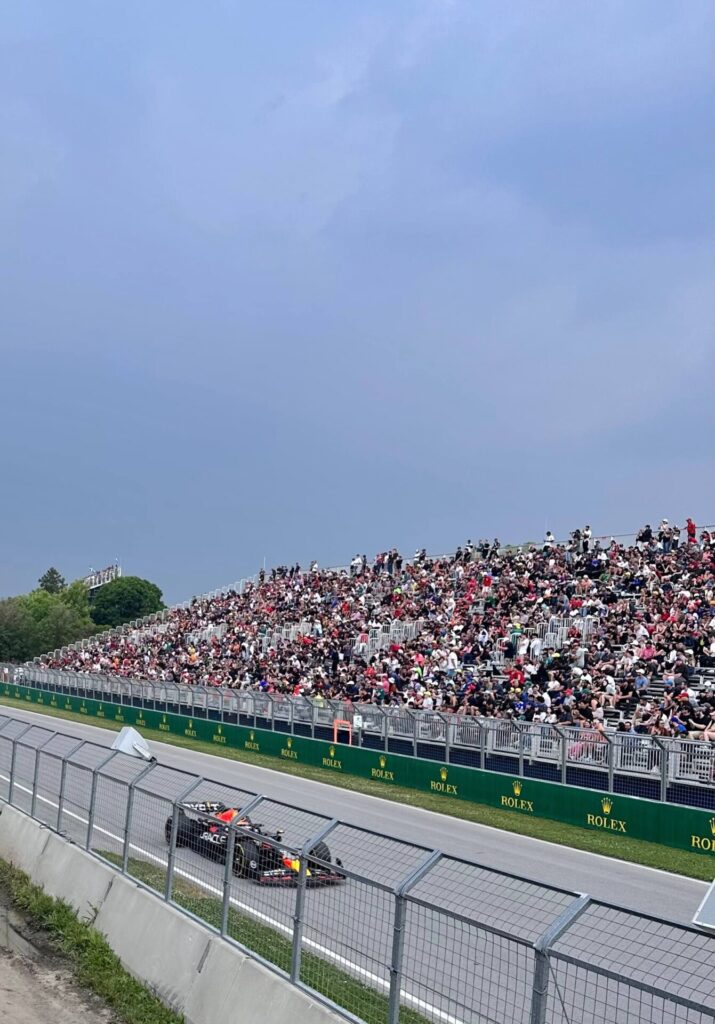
246	856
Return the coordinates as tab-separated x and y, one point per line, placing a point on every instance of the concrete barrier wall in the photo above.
193	971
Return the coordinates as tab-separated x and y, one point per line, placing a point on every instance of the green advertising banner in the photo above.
685	828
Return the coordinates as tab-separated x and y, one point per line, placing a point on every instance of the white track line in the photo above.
328	954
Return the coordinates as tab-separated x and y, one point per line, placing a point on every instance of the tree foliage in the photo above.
56	614
52	581
124	599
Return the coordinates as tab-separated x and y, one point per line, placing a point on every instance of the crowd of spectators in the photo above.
634	653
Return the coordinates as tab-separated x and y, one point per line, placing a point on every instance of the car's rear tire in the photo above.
246	859
320	851
181	837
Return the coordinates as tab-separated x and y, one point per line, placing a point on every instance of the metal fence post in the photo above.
13	760
540	985
663	768
63	776
93	796
168	886
564	753
521	751
413	719
228	865
273	712
611	748
36	773
297	949
128	816
398	932
482	744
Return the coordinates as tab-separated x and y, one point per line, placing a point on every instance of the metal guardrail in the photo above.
411	935
670	770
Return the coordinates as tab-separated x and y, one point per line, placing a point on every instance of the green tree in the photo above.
17	631
52	581
125	599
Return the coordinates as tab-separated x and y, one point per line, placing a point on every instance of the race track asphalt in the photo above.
351	924
631	886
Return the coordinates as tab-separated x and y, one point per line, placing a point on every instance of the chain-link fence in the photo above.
386	931
678	771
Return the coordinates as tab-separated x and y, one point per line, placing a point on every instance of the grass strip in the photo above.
94	965
637	851
319	974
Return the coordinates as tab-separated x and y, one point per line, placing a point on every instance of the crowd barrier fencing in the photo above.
680	771
409	936
514	787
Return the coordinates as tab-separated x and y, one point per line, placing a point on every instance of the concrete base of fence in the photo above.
191	970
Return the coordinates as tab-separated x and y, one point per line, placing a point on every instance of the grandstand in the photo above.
609	635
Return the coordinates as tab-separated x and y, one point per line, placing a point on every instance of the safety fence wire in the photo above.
76	791
28	765
149	815
644	950
111	787
492	898
375	856
262	912
456	972
260	922
47	798
347	944
25	756
578	994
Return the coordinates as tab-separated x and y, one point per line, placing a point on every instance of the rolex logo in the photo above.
290	742
219	730
712	826
251	735
191	723
516	786
443	774
383	760
332	751
606	804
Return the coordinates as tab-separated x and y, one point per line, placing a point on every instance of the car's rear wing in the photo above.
205	806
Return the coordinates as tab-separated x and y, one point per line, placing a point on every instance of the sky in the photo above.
287	281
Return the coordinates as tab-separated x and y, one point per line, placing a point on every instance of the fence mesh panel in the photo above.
455	940
580	995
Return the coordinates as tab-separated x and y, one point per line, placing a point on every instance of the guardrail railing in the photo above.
638	764
404	935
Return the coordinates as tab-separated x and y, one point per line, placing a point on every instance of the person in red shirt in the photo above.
692	530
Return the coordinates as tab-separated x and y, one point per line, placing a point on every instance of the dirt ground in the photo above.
33	992
35	983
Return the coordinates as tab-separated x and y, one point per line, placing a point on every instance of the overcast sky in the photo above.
294	280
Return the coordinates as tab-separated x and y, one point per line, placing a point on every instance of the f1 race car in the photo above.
204	827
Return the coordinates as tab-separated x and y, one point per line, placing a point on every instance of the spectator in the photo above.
572	633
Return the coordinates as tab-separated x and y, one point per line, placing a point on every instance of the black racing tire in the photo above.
246	859
181	838
320	851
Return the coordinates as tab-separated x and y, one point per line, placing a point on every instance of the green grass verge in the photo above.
317	973
93	963
681	862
